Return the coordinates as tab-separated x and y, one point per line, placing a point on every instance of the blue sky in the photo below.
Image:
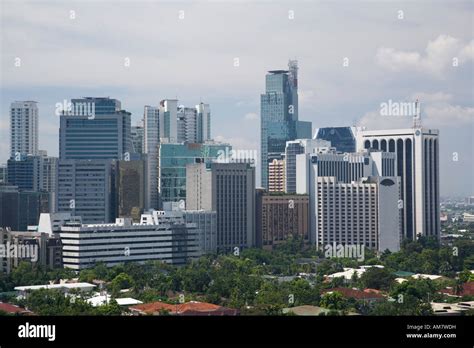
396	51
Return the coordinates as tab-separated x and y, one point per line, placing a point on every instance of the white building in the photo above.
417	164
23	128
159	236
363	212
345	167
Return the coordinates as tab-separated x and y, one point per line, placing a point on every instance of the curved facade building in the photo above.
417	164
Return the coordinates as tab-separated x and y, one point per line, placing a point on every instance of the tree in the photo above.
377	278
333	300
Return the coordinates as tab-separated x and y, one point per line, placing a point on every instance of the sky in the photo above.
353	56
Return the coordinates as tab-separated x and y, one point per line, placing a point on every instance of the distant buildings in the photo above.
25	172
151	140
280	217
279	116
23	128
47	250
193	308
229	190
417	164
194	124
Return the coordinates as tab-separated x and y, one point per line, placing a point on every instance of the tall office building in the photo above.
20	209
346	167
172	161
23	128
187	125
203	122
276	176
341	138
3	173
49	173
25	172
130	189
85	189
228	189
169	120
137	134
151	141
103	135
363	212
279	116
297	147
417	164
280	217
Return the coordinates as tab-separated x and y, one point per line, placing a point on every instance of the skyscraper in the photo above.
85	189
228	189
23	128
203	122
169	120
279	116
187	125
151	140
137	138
417	164
103	135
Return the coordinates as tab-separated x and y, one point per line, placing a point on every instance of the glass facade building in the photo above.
279	116
172	161
341	138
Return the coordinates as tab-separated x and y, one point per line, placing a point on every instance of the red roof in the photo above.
467	290
367	294
188	308
12	309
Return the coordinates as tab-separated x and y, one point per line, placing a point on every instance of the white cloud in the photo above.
251	116
438	56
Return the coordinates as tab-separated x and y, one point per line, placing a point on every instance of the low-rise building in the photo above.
192	308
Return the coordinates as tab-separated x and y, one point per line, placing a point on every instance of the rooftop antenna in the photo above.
417	116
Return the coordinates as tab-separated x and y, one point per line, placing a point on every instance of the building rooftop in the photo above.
13	309
188	308
83	286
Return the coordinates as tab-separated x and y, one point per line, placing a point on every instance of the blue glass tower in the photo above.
279	116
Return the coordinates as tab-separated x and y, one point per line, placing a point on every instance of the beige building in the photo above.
281	216
276	176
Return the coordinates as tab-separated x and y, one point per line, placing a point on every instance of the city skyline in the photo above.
389	65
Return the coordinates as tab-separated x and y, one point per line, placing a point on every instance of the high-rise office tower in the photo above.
49	173
279	116
417	164
363	212
137	138
169	120
104	134
25	172
3	173
85	189
187	125
203	122
276	176
130	189
151	140
228	189
341	138
297	147
23	128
